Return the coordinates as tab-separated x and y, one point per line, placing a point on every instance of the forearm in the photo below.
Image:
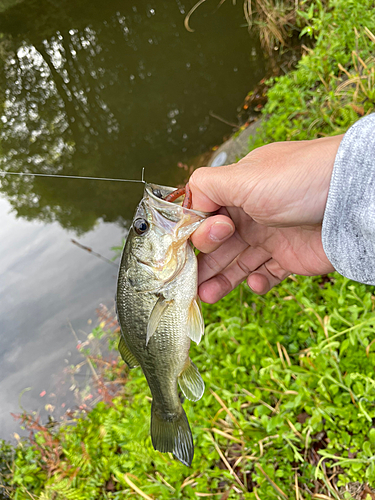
349	220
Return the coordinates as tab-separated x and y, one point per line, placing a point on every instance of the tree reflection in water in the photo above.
109	94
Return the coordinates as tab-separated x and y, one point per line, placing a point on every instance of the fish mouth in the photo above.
168	220
164	206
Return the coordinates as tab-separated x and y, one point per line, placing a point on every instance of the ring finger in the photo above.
266	277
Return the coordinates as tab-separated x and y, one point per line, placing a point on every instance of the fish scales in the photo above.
159	313
171	350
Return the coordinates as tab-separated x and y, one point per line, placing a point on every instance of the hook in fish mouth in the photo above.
163	202
181	192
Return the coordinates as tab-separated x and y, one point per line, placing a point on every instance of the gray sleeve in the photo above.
348	233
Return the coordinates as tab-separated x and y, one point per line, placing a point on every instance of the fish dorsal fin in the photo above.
155	316
191	382
195	326
126	355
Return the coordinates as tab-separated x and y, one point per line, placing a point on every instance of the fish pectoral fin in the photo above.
172	435
155	316
126	355
195	326
191	382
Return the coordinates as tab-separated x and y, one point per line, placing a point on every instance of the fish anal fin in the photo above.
191	382
195	324
155	316
126	355
172	434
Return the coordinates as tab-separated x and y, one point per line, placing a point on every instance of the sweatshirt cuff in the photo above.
348	233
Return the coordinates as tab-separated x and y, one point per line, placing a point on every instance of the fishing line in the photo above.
25	174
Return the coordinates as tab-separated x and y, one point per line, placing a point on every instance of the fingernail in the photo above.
220	231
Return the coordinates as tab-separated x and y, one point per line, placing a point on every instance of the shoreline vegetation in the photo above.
289	406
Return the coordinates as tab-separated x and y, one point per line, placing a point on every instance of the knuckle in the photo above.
225	284
196	177
243	267
208	260
276	271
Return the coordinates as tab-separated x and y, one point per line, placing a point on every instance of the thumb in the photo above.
215	187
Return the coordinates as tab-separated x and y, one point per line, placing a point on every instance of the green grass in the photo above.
290	399
333	84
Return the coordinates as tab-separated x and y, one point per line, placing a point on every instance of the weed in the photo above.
288	411
289	408
333	84
276	21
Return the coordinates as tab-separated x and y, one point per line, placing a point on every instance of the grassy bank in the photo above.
287	412
289	404
334	82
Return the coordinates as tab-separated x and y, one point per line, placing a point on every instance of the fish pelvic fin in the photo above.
191	382
155	316
126	355
195	325
172	434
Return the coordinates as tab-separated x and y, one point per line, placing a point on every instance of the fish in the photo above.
159	313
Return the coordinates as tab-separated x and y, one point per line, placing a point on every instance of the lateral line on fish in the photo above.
25	174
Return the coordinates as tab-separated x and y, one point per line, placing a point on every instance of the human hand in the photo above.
269	222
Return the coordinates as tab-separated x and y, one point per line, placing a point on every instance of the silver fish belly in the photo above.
159	313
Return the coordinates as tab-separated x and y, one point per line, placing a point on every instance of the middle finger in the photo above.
213	263
224	282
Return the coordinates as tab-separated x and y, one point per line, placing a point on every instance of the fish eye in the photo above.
157	193
141	226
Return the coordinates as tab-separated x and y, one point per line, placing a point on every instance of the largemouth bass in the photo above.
159	313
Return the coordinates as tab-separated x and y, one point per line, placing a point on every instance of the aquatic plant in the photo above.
275	21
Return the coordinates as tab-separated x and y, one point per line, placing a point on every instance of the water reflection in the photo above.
46	283
95	89
104	90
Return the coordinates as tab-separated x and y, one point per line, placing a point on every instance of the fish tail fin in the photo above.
172	435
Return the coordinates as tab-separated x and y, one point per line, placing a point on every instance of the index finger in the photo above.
215	187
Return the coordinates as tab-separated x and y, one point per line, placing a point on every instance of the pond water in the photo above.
100	89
